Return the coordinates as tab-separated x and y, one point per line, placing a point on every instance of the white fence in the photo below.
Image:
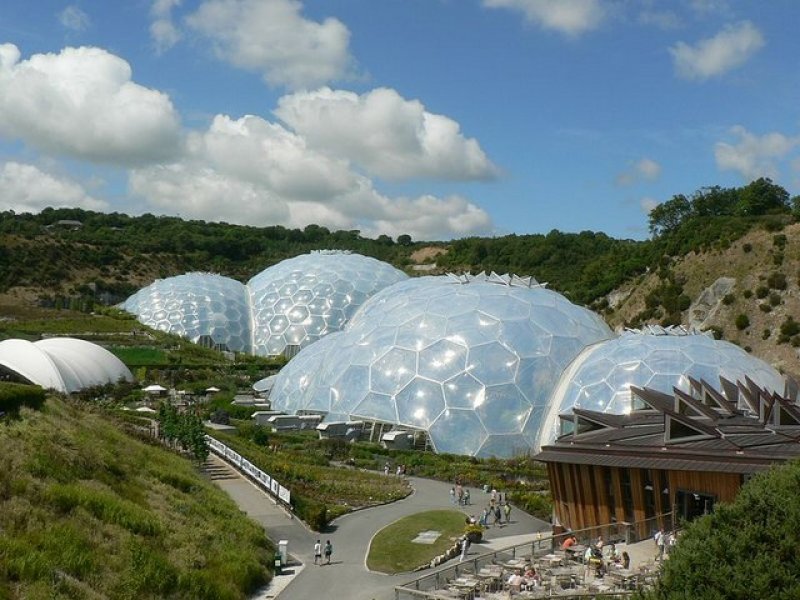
264	481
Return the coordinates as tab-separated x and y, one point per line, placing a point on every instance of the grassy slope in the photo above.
86	511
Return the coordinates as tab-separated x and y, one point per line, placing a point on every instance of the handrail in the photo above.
263	480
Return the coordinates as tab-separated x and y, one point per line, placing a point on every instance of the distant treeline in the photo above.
49	250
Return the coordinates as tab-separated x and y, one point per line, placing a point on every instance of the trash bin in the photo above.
277	562
283	551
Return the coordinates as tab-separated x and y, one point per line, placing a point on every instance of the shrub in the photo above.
747	247
774	298
790	327
728	299
747	294
765	334
779	241
765	307
776	280
742	322
777	259
717	332
762	291
14	396
762	523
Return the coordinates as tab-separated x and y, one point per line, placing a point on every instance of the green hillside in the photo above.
87	511
75	258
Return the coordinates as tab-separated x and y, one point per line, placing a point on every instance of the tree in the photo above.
404	239
668	215
746	549
761	196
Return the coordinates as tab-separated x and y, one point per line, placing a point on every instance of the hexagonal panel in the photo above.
457	432
505	409
442	360
393	371
464	391
492	363
419	403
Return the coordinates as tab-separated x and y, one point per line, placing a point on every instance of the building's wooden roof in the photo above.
741	429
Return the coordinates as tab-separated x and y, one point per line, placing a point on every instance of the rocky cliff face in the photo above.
749	293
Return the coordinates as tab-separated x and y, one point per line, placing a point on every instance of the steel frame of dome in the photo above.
471	360
600	378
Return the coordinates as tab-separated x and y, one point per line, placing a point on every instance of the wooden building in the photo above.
678	454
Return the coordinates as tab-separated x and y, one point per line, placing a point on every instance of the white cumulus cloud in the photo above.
82	103
26	188
754	156
163	31
571	17
730	48
255	172
274	39
385	134
644	169
74	18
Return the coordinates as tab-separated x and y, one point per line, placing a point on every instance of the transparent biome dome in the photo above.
470	360
205	308
600	378
294	379
304	298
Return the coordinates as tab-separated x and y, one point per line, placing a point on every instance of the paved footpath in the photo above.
347	575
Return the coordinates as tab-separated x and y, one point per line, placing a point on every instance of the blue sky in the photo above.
436	118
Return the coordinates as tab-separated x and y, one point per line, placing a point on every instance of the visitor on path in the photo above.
466	497
328	551
317	553
464	547
669	546
484	520
498	518
386	468
452	495
507	511
660	538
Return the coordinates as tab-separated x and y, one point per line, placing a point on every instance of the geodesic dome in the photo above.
470	360
205	308
294	379
304	298
600	378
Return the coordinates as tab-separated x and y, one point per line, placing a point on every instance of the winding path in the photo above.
347	577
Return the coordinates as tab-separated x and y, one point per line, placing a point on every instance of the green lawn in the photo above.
392	551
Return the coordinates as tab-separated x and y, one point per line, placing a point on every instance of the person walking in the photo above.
464	548
507	511
317	553
498	518
328	551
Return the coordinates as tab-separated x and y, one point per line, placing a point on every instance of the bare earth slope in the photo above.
755	263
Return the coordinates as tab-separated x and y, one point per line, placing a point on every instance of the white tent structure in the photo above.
154	389
63	364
